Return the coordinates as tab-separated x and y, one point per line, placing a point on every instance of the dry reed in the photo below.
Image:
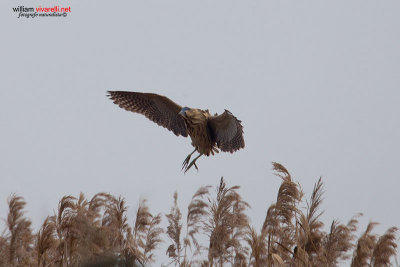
216	232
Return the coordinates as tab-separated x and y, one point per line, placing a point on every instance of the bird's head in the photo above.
183	111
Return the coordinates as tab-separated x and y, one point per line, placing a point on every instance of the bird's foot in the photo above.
185	163
193	163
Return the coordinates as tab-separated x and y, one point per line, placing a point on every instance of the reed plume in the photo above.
278	229
46	242
310	234
365	247
258	248
384	249
174	232
338	242
146	234
19	239
196	216
226	225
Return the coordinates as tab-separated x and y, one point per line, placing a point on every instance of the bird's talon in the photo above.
186	162
190	165
186	165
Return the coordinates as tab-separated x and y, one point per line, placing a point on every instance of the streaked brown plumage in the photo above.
209	133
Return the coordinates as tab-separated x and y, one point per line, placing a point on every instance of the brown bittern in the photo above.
209	133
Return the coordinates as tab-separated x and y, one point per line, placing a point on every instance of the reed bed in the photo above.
216	232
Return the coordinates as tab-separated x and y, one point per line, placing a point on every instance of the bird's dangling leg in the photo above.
193	163
186	161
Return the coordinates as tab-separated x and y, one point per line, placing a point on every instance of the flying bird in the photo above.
209	133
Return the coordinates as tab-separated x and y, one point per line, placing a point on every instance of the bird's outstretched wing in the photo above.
227	132
157	108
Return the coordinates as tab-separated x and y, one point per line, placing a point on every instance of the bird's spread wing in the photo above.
227	132
157	108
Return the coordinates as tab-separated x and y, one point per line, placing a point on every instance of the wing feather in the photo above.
227	132
159	109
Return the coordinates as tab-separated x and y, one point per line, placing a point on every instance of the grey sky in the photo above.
316	85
